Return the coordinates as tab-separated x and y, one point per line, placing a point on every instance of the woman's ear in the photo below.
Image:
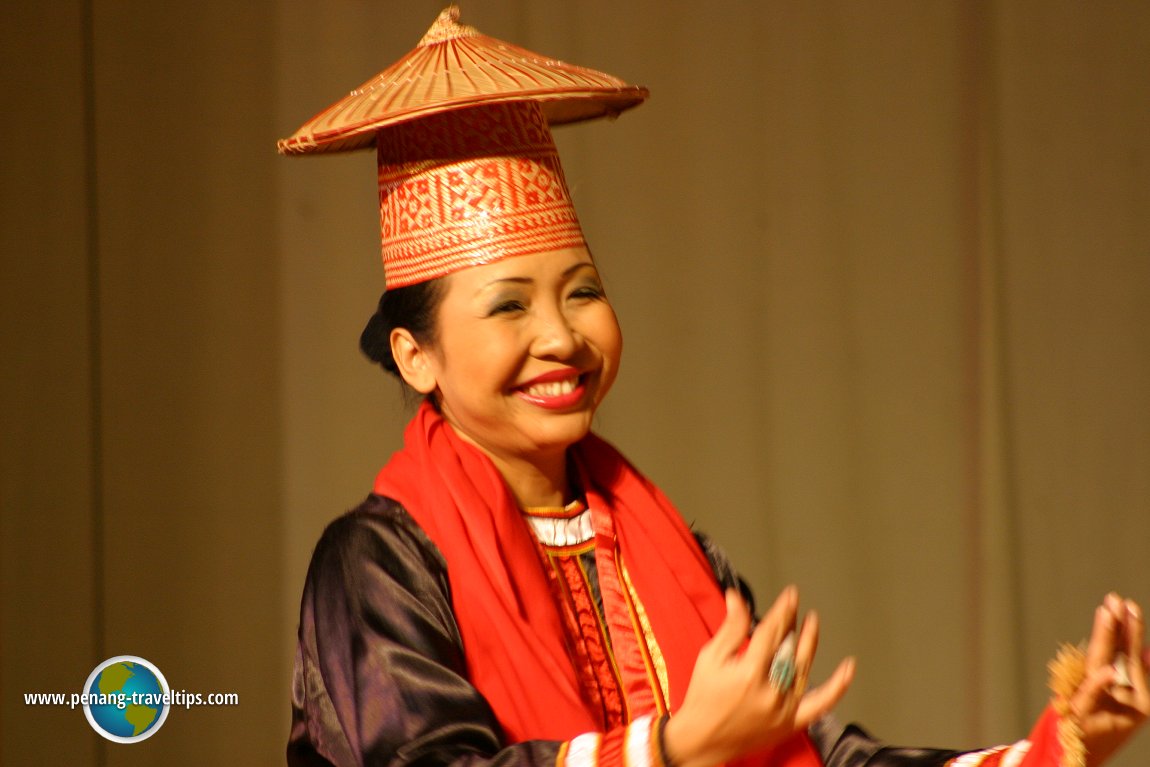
413	361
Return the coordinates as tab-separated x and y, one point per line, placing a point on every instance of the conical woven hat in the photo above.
456	66
468	170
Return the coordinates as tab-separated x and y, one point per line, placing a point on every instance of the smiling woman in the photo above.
526	350
514	591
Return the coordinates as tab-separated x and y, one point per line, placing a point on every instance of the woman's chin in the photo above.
559	432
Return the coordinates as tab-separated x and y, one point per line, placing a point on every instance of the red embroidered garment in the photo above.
566	539
512	629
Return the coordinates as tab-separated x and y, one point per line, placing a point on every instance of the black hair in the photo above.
413	308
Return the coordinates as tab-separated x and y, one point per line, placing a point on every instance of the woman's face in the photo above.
526	348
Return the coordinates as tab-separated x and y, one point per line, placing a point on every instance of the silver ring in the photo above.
782	671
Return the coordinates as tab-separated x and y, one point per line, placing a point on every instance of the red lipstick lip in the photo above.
552	375
566	401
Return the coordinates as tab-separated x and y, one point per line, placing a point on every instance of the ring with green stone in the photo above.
782	671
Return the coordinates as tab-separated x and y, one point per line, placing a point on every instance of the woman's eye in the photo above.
507	307
587	291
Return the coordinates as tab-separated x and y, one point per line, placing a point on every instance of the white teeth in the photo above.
553	388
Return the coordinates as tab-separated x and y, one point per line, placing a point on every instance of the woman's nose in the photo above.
555	337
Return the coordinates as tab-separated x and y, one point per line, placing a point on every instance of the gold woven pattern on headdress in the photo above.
437	216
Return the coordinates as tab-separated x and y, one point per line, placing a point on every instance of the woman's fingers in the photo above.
1089	697
1113	700
771	630
732	631
782	612
805	654
1103	637
1135	638
820	700
1115	657
1136	658
733	706
768	640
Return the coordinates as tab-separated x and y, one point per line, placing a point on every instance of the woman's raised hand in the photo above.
731	707
1113	699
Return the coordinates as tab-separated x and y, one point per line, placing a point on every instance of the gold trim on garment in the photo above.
648	636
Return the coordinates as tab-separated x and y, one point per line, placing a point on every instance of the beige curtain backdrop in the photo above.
883	270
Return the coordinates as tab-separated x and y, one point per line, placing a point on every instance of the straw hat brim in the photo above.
455	67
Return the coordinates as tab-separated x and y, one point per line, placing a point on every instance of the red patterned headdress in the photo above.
468	172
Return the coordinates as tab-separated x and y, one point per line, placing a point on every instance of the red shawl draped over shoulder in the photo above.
513	632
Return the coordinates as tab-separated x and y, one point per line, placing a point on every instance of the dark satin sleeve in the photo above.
380	676
852	746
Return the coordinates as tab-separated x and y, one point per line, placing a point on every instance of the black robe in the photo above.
380	675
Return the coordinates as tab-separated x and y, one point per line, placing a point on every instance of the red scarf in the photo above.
513	634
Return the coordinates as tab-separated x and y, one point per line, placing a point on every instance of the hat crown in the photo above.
447	27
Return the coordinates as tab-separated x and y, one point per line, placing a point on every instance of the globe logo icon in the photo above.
126	699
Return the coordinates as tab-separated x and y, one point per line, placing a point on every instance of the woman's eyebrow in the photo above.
531	280
504	280
576	267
